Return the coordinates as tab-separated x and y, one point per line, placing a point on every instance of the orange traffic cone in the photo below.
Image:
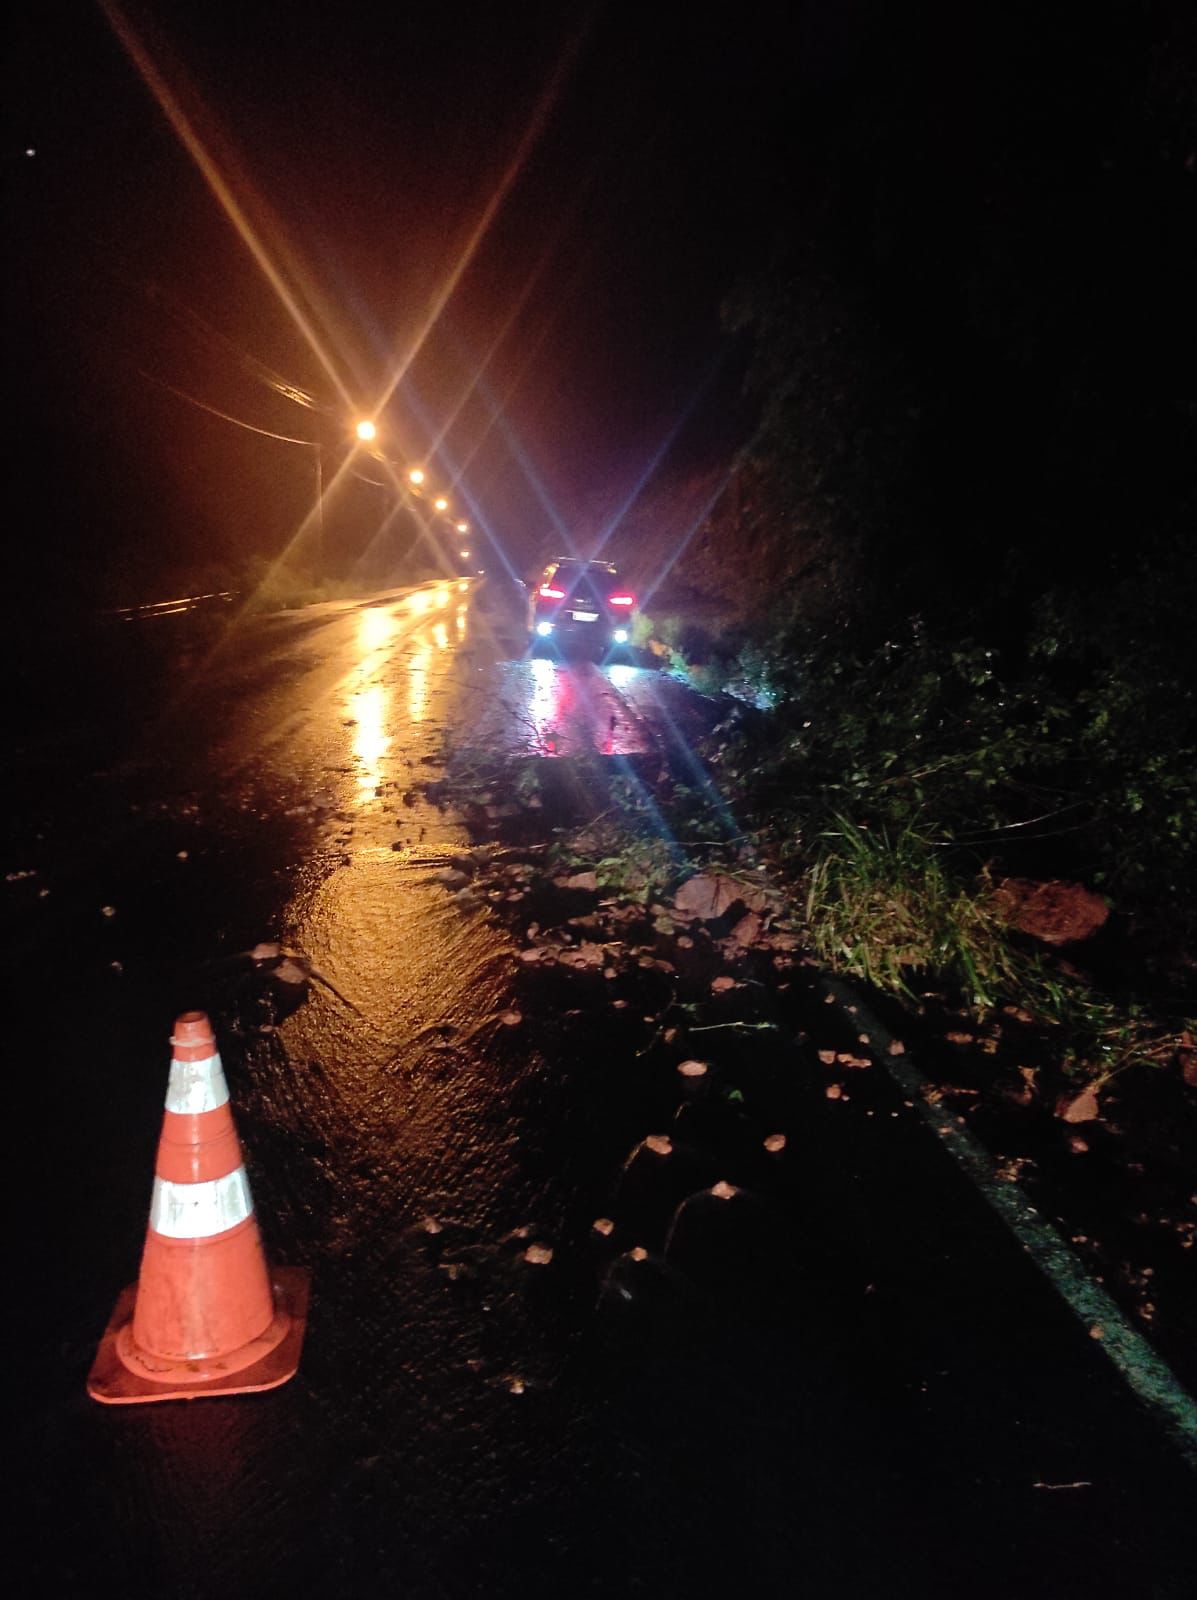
206	1316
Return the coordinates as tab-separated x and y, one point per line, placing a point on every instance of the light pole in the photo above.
366	432
319	449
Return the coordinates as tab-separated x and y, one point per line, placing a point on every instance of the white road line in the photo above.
1141	1367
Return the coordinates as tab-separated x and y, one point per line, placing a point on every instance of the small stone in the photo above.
896	1048
181	855
660	1144
827	1057
834	1092
604	1226
693	1069
722	984
638	1253
538	1255
516	1386
452	878
108	911
1083	1107
511	1019
775	1143
724	1190
581	880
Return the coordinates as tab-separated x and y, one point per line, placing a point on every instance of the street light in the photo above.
366	432
416	475
441	503
463	527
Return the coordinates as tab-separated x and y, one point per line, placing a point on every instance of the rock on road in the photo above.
475	1414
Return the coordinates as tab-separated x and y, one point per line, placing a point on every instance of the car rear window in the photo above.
574	569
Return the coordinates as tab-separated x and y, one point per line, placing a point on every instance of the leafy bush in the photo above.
1086	761
897	781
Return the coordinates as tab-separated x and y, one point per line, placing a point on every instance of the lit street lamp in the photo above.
366	432
441	503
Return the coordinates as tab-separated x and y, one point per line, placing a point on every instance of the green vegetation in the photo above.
894	785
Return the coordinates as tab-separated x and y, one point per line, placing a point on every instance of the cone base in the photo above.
264	1363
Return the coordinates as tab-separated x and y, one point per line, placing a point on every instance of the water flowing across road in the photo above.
482	1409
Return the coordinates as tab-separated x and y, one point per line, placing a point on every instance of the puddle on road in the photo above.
469	1417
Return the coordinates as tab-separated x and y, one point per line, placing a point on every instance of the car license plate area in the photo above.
584	616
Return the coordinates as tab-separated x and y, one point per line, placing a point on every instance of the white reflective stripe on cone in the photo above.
197	1210
196	1086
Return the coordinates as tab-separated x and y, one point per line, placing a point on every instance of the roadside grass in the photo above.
895	786
894	912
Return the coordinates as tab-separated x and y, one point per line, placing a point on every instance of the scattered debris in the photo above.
580	881
1083	1107
1054	913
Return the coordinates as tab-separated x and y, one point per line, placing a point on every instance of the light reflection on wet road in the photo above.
432	1439
464	1423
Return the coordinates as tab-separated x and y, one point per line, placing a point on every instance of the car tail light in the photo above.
547	592
621	599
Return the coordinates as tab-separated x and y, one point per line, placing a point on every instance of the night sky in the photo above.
591	178
979	225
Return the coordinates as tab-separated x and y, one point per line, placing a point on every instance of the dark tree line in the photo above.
974	345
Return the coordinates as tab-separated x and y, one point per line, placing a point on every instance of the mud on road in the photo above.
582	1321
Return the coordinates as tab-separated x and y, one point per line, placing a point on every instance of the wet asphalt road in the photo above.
875	1408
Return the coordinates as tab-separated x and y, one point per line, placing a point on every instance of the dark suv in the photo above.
581	600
